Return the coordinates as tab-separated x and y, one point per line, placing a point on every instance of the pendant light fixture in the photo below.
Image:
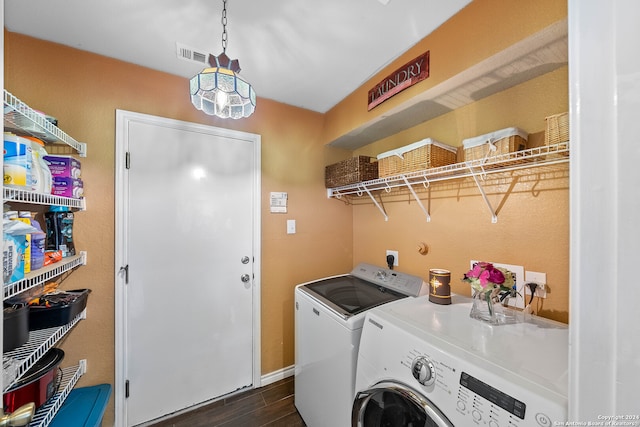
219	90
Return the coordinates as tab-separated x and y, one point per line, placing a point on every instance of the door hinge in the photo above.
126	273
126	389
127	160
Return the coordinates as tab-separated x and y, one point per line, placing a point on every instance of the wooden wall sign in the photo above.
406	76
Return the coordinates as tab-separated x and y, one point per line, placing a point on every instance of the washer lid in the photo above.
349	295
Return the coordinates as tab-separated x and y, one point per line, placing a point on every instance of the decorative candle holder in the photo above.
439	286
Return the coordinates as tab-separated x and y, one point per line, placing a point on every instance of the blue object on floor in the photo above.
84	407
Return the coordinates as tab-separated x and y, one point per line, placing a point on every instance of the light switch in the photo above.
291	226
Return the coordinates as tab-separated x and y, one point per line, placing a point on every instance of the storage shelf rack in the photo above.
21	118
477	169
40	341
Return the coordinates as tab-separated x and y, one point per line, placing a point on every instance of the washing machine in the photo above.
423	364
329	314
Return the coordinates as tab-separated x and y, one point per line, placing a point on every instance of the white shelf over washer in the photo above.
478	169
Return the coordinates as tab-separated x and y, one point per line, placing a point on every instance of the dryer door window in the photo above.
395	405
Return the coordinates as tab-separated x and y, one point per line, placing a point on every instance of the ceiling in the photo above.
309	54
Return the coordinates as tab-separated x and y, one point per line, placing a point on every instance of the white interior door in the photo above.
191	214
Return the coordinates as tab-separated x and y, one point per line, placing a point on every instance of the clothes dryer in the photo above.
423	364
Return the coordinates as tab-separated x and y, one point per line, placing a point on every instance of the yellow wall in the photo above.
83	91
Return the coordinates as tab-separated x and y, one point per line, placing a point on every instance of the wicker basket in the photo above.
557	129
350	171
506	141
420	155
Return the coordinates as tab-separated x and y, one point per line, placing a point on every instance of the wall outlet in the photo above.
518	271
395	257
540	279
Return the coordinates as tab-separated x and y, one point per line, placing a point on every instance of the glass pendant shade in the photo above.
220	91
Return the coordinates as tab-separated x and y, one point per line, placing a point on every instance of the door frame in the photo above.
123	118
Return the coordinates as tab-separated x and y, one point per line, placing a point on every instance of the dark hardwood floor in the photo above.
270	406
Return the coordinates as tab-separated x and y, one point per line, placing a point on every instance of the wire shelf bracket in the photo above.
415	196
375	202
494	217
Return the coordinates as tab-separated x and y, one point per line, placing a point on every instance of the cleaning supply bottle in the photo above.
41	175
59	222
38	242
18	162
25	217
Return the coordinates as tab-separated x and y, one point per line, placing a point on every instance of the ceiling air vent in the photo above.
190	54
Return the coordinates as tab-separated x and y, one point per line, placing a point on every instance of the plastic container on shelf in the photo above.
57	309
41	175
25	217
16	326
59	223
84	407
38	244
14	246
18	162
13	257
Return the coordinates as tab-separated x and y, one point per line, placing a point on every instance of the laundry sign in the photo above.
404	77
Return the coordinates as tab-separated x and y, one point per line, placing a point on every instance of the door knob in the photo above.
245	278
244	260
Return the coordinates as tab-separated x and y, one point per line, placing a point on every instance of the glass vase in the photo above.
484	308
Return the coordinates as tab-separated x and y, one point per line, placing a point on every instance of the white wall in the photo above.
604	80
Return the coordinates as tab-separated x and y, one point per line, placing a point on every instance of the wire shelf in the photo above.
70	376
40	276
530	158
477	169
22	119
39	343
25	196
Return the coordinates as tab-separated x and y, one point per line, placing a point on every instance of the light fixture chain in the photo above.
224	25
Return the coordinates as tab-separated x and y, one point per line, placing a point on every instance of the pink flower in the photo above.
474	272
484	278
478	269
496	276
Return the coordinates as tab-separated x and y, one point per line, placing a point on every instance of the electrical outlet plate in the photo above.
540	279
395	257
518	270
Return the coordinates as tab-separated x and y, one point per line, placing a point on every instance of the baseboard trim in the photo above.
278	375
